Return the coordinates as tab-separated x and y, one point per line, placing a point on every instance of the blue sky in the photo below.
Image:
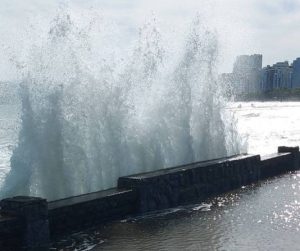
270	27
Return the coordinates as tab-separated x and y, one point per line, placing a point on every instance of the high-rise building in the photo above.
278	76
267	78
296	73
248	76
282	75
247	73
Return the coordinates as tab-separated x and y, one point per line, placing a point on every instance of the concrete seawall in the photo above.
28	223
186	184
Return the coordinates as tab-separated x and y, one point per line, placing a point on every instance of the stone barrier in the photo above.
81	212
28	223
32	214
184	184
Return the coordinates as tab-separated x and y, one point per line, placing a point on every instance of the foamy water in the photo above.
9	129
265	125
90	114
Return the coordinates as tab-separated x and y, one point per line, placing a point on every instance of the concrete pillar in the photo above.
33	213
295	153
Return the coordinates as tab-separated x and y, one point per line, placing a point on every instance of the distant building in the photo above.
248	76
296	73
278	76
247	73
267	78
282	75
227	80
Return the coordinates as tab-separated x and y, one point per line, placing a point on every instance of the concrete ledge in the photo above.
11	229
184	184
294	151
26	222
80	212
32	214
276	164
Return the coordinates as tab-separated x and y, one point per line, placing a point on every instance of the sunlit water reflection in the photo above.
265	216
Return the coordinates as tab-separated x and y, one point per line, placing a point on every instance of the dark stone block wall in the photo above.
287	159
275	164
10	233
32	216
81	212
28	223
185	184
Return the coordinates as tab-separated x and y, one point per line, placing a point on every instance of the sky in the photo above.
268	27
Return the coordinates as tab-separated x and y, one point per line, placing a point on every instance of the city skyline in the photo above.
249	76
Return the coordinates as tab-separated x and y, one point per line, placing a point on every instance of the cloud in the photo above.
248	26
276	29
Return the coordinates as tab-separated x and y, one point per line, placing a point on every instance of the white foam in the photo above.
89	116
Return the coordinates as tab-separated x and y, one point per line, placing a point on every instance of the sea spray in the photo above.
90	115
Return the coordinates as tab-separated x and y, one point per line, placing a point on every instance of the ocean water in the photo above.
263	125
264	216
267	125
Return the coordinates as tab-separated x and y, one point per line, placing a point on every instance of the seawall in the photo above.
29	223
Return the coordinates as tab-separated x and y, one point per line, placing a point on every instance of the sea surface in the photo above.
264	216
267	125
